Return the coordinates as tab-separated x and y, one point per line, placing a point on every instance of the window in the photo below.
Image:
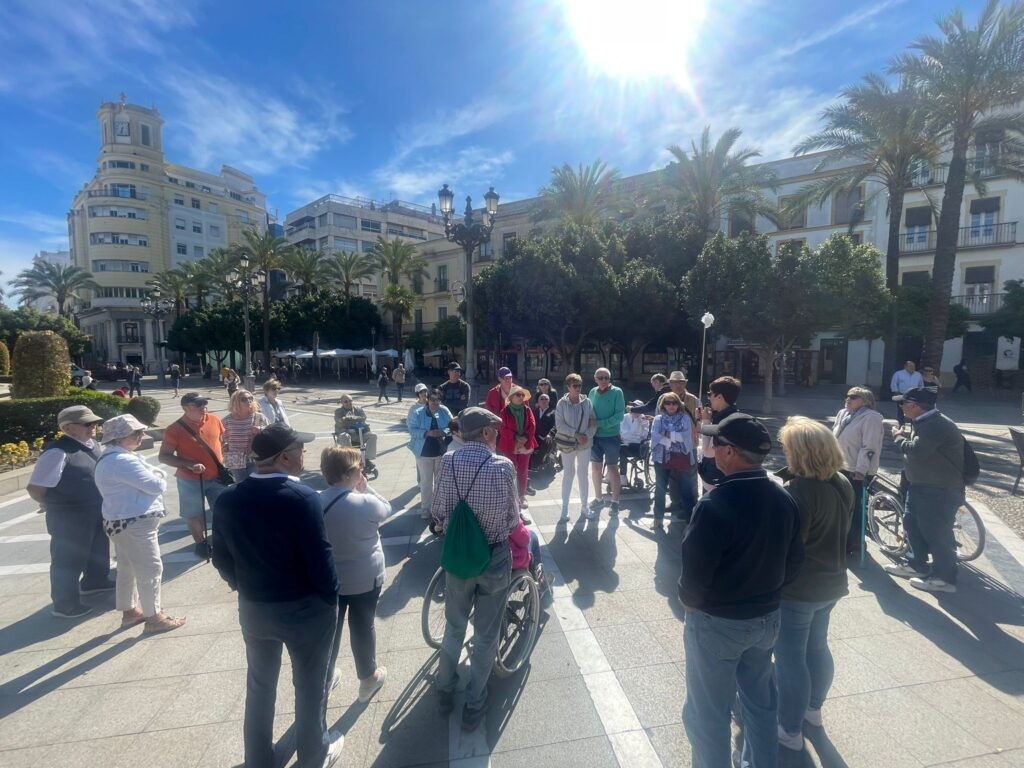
204	188
182	249
212	208
120	164
366	246
144	134
347	222
179	200
172	179
984	214
135	266
856	238
508	240
196	204
918	222
847	205
791	220
987	145
321	220
417	284
179	224
793	242
979	284
144	241
190	184
131	332
417	322
369	225
345	244
243	216
121	293
917	277
323	243
486	251
442	278
739	222
197	251
442	313
144	167
122	190
197	227
215	231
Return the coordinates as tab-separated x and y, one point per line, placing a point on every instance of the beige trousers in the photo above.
139	567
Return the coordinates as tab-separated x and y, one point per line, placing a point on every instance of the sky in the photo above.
391	99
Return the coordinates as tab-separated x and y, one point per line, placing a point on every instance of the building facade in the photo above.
140	215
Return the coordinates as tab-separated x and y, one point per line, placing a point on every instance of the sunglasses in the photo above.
603	378
518	394
853	397
673	403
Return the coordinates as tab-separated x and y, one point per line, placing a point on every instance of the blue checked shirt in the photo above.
494	497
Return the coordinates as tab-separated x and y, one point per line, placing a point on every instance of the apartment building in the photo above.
141	214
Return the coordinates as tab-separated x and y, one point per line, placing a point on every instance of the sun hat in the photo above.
120	426
677	376
77	414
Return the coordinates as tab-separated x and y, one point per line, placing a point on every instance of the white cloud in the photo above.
468	171
63	172
52	228
850	21
447	126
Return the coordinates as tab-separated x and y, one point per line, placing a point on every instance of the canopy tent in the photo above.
319	353
433	353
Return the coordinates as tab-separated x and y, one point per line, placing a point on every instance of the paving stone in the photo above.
858	738
210	697
582	753
629	645
92	753
986	718
172	748
607	609
123	708
540	713
855	672
669	634
906	656
551	658
411	734
1008	687
656	693
671	744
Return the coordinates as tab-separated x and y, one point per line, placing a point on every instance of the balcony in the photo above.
441	284
984	167
120	193
301	227
982	236
980	304
130	338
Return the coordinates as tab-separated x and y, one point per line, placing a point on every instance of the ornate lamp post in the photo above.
247	282
156	306
469	234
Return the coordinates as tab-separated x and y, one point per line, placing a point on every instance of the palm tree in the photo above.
307	270
266	252
713	179
345	269
197	278
171	283
399	301
973	80
399	259
61	282
885	133
217	265
583	197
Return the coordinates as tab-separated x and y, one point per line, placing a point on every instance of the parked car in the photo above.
110	372
76	375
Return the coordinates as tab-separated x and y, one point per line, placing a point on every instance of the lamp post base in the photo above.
250	382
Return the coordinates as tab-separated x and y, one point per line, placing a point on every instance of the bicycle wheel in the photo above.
519	625
432	616
885	522
969	533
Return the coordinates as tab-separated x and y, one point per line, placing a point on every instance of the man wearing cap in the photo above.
455	392
904	380
270	544
488	484
192	446
742	545
497	396
63	484
609	410
350	428
933	460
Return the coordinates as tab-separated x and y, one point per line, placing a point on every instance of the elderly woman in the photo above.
544	388
351	429
673	455
243	422
575	426
353	512
518	437
803	661
858	428
270	406
428	427
132	507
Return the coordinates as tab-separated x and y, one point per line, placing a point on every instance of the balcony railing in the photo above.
126	194
985	167
982	236
441	284
131	338
980	304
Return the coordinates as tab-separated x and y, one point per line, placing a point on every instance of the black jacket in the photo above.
546	422
649	408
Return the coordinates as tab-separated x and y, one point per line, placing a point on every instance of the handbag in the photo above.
567	443
678	461
224	477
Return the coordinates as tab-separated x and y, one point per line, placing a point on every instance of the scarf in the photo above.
519	414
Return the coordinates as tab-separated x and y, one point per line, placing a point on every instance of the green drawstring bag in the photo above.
466	553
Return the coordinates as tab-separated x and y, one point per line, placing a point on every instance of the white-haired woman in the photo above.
243	422
858	428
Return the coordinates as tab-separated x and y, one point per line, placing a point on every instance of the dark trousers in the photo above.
306	628
399	387
900	418
79	549
963	381
362	635
855	537
383	393
134	388
929	520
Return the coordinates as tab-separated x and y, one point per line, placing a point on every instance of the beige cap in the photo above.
77	414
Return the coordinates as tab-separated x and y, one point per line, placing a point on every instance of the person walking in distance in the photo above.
271	546
609	410
382	385
63	483
741	548
904	380
963	377
134	381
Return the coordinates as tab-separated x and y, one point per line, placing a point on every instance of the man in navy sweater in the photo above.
742	545
270	544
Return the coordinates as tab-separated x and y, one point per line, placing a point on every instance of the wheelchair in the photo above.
370	471
638	467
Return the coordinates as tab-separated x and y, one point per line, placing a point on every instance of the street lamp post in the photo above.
247	282
156	306
469	234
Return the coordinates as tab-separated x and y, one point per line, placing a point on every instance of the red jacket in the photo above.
495	402
507	441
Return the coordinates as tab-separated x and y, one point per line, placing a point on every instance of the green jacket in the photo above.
934	454
609	410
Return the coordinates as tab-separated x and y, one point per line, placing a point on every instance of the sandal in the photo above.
131	618
162	623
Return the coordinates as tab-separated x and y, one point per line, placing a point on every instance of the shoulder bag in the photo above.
223	475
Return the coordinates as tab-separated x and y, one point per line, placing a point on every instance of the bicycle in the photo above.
885	523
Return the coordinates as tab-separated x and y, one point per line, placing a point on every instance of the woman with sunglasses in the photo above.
518	436
858	428
575	426
672	453
241	425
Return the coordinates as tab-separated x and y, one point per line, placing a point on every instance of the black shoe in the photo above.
531	491
445	702
74	612
202	550
370	466
614	508
108	586
471	718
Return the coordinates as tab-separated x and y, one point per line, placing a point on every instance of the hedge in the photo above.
144	408
5	360
30	418
42	367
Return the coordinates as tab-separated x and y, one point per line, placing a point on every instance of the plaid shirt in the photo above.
494	497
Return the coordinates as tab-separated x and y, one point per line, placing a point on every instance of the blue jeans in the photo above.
485	596
803	662
686	483
306	627
725	657
929	520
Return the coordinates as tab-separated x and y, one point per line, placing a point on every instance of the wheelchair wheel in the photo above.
519	626
885	522
969	533
432	616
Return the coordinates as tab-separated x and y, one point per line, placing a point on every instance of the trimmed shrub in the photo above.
31	418
5	360
144	408
42	366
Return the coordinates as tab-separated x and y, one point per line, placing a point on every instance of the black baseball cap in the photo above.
925	396
742	431
193	398
453	366
275	438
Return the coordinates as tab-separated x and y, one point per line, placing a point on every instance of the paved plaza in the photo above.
921	679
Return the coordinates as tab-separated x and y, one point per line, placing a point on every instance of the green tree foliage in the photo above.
308	270
266	252
1008	320
399	302
582	197
667	241
14	322
63	283
27	419
5	360
345	269
144	408
398	259
914	302
450	332
340	323
172	284
42	366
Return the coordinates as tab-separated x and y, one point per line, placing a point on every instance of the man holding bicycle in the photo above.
933	456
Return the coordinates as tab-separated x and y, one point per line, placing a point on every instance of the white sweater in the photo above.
860	440
130	486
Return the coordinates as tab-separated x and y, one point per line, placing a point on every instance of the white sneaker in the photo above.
902	571
932	584
793	741
369	687
334	748
813	717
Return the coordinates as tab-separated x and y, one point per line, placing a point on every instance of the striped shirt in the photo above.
493	497
238	435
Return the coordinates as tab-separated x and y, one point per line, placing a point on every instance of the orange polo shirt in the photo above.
187	447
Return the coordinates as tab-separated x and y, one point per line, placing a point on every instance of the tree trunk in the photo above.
892	282
945	255
782	374
768	363
266	323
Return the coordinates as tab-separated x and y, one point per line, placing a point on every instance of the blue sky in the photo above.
390	99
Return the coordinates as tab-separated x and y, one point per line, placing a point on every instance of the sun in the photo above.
636	40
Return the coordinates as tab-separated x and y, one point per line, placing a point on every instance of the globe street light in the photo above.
156	306
247	282
469	234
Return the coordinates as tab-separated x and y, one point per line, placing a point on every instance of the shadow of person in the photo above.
828	755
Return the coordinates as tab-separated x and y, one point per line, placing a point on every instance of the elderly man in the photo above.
350	428
192	445
63	484
270	544
455	392
659	383
742	545
487	483
609	409
904	380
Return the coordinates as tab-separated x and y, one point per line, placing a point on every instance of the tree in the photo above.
885	133
399	301
307	270
219	262
668	241
398	259
61	282
15	322
583	197
1008	320
197	278
915	301
715	179
266	253
42	367
346	268
647	310
450	333
171	283
973	81
775	302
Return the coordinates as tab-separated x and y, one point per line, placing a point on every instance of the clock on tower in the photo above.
122	130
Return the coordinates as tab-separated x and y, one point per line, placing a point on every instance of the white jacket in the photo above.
129	485
860	440
268	410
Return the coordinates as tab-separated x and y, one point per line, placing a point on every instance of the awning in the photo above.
433	353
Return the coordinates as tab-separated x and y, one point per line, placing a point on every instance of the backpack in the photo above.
972	469
466	553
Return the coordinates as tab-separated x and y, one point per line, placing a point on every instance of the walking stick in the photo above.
206	531
863	521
